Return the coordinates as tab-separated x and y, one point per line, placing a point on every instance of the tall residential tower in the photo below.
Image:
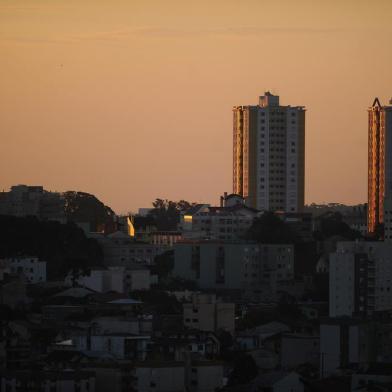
269	155
380	167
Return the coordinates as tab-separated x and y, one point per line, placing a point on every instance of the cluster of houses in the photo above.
116	327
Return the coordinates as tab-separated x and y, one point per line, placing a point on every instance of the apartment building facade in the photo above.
360	279
269	155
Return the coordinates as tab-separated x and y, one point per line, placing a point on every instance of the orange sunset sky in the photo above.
131	100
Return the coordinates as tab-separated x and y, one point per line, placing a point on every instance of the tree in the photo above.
62	246
84	207
163	264
166	213
332	224
270	229
245	370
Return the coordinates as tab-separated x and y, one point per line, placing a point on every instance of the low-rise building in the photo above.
56	381
345	342
166	238
360	278
178	376
25	200
117	279
207	313
230	221
176	346
120	345
249	267
298	349
376	377
32	268
159	377
120	249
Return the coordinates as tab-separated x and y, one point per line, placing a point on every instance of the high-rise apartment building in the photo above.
379	166
269	155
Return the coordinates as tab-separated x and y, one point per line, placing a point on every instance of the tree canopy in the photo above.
166	213
62	246
332	224
84	207
270	229
245	370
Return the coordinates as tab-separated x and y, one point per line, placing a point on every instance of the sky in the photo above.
132	100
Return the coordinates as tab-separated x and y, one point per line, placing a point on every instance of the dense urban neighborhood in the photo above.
257	293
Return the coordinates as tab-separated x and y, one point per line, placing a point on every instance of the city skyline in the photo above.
99	99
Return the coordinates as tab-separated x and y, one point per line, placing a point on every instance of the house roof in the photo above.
76	292
194	209
125	301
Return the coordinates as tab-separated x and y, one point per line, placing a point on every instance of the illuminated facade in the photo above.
269	155
380	167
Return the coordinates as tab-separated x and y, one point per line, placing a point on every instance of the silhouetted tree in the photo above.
84	207
160	300
166	213
62	246
163	264
270	229
332	224
245	370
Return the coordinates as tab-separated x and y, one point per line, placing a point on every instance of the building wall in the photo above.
122	250
100	280
160	379
139	279
205	313
245	266
329	349
360	278
33	269
223	223
344	342
205	378
23	200
290	383
341	284
299	349
358	381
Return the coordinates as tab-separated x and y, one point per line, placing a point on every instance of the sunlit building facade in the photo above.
379	167
269	155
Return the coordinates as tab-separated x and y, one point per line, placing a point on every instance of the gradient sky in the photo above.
131	100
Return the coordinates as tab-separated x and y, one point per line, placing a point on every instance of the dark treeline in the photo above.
166	213
86	208
62	246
